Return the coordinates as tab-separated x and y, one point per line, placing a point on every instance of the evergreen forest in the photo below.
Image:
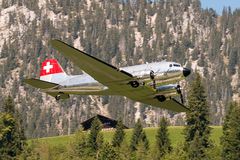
122	33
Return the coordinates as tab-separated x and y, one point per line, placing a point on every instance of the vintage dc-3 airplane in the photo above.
153	83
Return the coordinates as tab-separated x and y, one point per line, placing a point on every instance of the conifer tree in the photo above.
4	51
93	139
140	152
8	106
138	136
108	152
231	133
163	144
80	144
197	121
124	151
196	150
12	138
118	135
145	141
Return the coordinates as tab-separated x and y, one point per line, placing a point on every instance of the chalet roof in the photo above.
107	122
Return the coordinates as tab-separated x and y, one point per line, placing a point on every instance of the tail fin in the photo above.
51	71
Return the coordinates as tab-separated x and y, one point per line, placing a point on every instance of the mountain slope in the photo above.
120	33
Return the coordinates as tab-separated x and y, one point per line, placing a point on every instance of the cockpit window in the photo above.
176	65
170	65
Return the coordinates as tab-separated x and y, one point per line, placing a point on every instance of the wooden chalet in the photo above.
107	123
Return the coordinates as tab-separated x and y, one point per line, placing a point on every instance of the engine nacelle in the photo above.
167	87
170	77
169	91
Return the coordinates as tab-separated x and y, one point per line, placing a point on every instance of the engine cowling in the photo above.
168	87
168	91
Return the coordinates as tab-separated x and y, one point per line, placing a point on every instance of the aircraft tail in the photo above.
51	71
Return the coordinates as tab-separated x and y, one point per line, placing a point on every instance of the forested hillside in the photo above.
124	32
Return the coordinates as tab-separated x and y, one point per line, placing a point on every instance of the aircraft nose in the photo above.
186	72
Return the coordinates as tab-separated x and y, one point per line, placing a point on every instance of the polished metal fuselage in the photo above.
166	75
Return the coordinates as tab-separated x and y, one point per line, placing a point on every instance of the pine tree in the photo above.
142	20
7	138
197	120
93	140
145	141
138	136
8	106
140	152
163	144
233	61
118	135
4	51
196	150
231	133
108	152
124	151
12	139
80	144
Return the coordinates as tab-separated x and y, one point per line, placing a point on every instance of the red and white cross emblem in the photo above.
48	67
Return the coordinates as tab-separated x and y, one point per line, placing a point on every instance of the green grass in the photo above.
175	134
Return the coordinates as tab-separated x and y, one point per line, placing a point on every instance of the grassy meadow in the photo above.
175	134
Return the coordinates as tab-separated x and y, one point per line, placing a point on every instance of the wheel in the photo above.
178	89
134	84
152	75
161	98
58	97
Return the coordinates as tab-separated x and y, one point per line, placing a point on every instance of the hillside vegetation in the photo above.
175	134
196	140
122	33
61	146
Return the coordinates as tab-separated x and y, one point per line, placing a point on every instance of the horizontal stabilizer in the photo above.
39	83
46	87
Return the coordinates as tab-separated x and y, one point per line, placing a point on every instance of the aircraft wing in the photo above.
114	78
103	72
170	104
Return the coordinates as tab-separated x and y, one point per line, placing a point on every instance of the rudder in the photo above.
51	71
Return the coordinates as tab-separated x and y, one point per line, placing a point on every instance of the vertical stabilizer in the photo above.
51	71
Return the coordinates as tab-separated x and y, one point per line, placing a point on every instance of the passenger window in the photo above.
176	65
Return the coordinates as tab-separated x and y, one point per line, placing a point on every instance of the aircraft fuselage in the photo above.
154	84
161	76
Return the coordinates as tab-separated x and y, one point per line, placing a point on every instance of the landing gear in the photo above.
161	98
180	92
178	88
152	76
134	84
58	97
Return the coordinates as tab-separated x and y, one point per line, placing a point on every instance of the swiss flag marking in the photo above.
50	66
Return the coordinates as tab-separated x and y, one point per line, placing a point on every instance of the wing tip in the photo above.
184	108
53	42
175	106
